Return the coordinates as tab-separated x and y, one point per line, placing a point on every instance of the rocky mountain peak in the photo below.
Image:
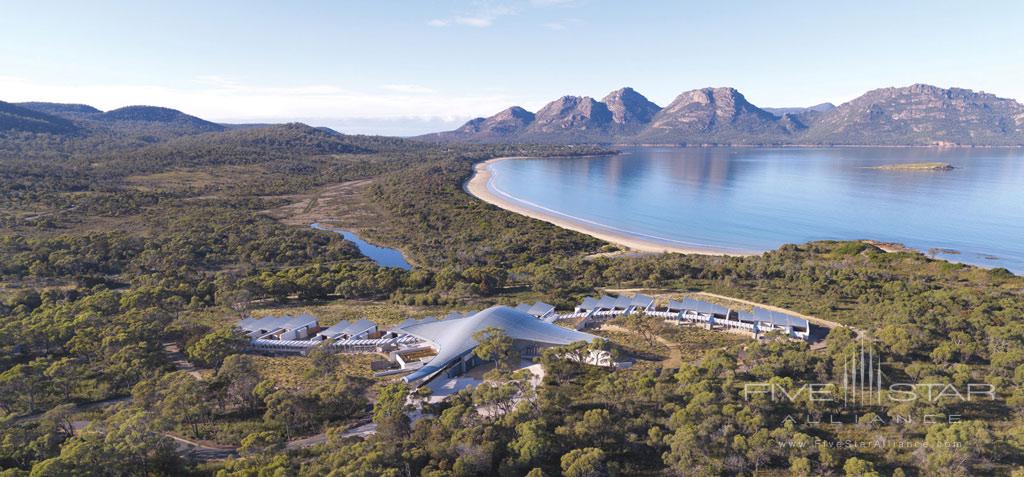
923	114
629	107
707	107
573	112
507	122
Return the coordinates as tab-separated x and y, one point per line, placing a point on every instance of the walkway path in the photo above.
173	352
200	450
362	430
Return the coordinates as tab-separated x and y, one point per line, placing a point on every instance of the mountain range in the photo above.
916	115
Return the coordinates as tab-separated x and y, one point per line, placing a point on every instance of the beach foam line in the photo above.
652	240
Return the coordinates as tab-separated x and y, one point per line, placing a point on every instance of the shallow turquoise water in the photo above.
753	199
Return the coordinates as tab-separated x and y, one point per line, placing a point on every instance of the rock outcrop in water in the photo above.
917	115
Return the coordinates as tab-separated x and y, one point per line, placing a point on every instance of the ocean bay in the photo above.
748	200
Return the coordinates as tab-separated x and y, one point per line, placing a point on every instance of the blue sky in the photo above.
411	67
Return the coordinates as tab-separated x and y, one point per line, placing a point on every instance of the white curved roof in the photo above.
454	338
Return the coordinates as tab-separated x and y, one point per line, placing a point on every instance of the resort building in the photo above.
691	311
592	309
431	347
300	334
284	328
713	316
453	341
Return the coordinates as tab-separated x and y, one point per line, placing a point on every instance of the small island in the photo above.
916	166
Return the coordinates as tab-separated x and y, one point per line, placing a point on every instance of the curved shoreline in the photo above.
477	186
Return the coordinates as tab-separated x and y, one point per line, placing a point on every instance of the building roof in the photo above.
642	301
606	302
540	309
778	318
272	323
589	303
454	338
348	328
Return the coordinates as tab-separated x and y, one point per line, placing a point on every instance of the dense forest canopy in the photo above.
132	243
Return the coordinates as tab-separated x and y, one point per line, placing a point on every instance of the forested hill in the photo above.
242	146
17	118
61	128
916	115
143	136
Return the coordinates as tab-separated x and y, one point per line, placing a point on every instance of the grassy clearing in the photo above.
293	372
189	179
632	345
694	342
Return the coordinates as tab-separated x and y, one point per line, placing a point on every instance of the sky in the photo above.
403	68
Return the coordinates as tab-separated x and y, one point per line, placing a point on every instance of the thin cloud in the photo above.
218	99
482	15
408	88
485	13
563	24
479	22
553	3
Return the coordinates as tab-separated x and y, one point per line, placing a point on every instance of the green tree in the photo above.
183	399
955	448
24	386
237	379
261	442
495	345
389	411
210	350
857	467
644	326
799	466
127	444
586	462
533	443
290	413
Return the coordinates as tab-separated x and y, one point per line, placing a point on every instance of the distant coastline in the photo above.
478	186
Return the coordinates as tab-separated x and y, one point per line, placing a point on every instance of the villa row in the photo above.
691	311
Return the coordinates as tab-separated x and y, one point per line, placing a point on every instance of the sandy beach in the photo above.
477	187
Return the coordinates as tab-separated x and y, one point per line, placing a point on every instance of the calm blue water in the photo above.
752	200
385	257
